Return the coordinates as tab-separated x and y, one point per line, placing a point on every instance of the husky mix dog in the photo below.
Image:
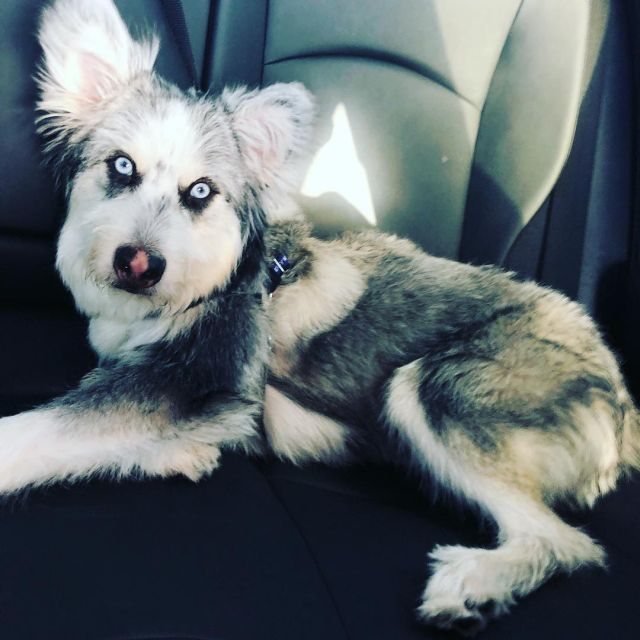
501	391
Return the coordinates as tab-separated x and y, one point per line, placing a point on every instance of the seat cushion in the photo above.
160	559
370	529
263	550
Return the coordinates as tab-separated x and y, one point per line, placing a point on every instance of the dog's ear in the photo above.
273	128
88	55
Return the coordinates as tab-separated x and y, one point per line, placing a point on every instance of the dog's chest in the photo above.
111	337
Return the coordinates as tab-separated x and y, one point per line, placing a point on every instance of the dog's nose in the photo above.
136	268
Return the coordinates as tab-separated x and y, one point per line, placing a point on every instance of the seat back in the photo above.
493	132
463	116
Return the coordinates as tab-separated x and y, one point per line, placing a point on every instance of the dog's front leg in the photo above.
111	426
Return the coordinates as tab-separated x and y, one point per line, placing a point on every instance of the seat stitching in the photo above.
307	545
371	54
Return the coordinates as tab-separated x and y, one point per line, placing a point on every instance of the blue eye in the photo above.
123	166
197	196
122	173
200	190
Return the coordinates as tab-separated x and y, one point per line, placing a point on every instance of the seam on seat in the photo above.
546	205
391	59
307	545
209	44
265	33
171	636
587	87
419	510
545	235
499	57
481	109
331	490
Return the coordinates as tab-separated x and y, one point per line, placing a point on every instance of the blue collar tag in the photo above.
278	266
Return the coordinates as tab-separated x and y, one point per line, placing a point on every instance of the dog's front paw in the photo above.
192	460
202	461
463	594
199	461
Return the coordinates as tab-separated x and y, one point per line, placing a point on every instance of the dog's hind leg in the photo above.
469	586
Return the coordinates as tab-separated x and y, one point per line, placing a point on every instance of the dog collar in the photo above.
278	266
198	301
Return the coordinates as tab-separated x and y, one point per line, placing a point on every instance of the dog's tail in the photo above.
630	444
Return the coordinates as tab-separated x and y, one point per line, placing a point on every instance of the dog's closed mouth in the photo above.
139	290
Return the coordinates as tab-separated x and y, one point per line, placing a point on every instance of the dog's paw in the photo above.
467	618
192	460
465	592
199	461
451	617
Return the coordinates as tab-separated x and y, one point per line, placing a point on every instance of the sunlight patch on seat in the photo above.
336	168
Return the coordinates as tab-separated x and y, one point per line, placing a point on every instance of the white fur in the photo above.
600	447
473	584
467	584
48	445
298	434
89	55
201	252
98	87
273	128
53	444
115	337
405	414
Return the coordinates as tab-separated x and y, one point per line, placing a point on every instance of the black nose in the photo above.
137	268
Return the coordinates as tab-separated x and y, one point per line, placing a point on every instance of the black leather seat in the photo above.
494	131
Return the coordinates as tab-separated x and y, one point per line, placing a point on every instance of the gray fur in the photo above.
503	391
464	323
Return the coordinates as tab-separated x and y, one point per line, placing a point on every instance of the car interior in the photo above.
493	132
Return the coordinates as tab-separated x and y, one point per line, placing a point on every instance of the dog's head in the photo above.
164	188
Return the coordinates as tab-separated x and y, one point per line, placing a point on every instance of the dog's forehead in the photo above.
188	137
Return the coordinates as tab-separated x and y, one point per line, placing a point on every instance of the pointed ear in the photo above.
273	128
88	55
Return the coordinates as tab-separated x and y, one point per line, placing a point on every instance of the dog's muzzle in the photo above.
137	268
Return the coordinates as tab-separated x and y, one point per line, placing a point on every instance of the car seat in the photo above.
493	132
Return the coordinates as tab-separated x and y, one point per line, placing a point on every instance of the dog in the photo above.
179	207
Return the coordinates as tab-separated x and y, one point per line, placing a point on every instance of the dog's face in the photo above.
164	188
